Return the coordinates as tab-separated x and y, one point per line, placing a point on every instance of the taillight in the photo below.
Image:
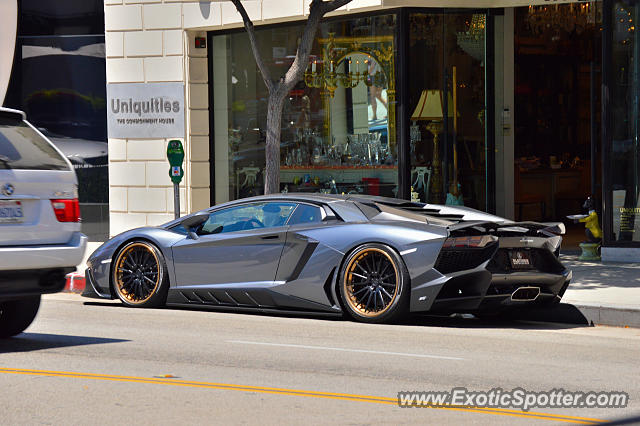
464	242
66	210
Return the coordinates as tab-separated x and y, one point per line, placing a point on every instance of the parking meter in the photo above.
175	155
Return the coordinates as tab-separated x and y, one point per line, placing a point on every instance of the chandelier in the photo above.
566	18
330	79
325	75
472	40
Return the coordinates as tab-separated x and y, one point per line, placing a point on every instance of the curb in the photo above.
75	283
610	315
582	314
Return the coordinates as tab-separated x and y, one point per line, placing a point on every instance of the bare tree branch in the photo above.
317	10
278	90
266	75
294	74
330	6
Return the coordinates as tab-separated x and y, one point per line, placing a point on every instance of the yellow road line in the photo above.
294	392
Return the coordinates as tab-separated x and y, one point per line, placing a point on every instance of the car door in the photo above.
236	247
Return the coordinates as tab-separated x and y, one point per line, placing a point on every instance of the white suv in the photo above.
40	238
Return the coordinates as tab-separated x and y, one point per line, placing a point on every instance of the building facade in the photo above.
350	138
507	106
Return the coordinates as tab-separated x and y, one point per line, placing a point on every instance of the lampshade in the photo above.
430	106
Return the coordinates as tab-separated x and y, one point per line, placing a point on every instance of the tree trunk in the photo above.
272	148
279	89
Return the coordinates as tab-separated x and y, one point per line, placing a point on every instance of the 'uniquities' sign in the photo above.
145	110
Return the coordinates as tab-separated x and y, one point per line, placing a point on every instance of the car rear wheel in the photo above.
140	275
17	315
374	284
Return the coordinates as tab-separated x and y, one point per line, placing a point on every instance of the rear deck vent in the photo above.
461	259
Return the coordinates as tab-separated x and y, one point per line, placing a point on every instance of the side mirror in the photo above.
194	221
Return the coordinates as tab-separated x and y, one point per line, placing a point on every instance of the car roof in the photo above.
314	198
293	196
323	198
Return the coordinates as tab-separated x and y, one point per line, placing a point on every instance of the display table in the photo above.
387	176
341	174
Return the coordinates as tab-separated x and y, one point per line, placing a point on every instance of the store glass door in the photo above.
447	103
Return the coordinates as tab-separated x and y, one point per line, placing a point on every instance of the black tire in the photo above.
374	284
17	315
139	275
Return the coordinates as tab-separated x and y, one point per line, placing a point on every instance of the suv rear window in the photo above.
21	147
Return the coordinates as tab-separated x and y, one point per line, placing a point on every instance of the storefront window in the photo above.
625	124
58	79
447	106
61	17
338	124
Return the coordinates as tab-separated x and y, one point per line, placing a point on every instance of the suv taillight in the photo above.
66	210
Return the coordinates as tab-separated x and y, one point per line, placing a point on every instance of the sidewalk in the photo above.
605	293
599	293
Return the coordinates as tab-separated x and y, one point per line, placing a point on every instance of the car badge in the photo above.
526	240
8	189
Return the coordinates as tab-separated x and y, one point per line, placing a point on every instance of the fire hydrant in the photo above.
591	247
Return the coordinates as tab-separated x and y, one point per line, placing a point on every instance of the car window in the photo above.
305	213
21	147
247	216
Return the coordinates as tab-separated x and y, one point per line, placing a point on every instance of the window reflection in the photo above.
61	17
625	153
58	79
68	107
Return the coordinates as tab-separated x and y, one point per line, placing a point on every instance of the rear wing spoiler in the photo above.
547	228
555	227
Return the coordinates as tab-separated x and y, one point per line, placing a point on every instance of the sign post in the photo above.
175	155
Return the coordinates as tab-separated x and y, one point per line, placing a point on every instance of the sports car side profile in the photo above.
371	258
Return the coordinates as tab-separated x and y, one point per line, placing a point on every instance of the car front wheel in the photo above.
17	315
374	284
139	275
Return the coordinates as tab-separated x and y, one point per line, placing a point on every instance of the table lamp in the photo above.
430	108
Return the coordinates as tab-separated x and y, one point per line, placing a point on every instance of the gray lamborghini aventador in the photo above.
371	258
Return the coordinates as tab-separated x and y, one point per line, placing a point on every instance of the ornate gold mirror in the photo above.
357	81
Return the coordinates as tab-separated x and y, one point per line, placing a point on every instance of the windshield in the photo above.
21	147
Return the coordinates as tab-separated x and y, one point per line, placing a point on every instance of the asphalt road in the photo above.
91	362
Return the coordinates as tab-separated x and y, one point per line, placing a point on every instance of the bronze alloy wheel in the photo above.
138	273
371	282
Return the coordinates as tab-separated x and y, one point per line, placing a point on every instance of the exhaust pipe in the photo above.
525	294
51	279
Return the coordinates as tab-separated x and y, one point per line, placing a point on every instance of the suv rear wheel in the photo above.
17	315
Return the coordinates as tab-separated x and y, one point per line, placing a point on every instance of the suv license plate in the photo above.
520	260
11	212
